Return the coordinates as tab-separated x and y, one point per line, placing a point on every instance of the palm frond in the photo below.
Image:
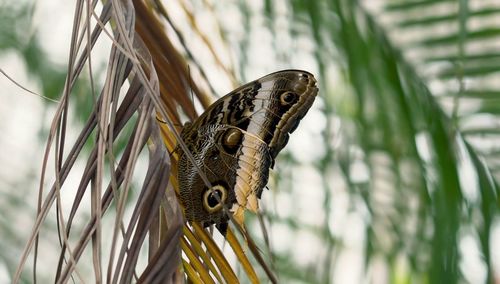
396	180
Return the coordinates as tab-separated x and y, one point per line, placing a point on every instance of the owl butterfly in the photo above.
235	141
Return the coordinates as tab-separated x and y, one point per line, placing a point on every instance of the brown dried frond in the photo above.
147	80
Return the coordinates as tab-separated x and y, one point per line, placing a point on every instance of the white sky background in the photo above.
28	113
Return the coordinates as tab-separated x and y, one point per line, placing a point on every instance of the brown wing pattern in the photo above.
236	141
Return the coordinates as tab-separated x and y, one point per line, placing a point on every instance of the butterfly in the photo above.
235	142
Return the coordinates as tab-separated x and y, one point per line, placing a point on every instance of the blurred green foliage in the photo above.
415	150
17	34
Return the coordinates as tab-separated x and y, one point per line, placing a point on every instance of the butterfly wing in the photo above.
236	141
235	162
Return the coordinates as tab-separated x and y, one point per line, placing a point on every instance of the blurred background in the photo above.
390	178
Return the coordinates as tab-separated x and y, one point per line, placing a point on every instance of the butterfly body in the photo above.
235	142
